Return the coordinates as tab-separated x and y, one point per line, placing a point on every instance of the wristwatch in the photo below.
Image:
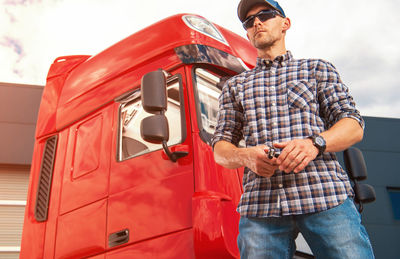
319	142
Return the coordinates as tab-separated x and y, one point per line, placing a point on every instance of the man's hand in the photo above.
255	158
258	161
296	154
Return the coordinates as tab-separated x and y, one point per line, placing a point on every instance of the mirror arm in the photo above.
173	156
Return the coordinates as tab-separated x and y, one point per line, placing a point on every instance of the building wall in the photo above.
19	105
381	149
14	181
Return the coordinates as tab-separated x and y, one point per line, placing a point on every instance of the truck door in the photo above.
150	196
81	223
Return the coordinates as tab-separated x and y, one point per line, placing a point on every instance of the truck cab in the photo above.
99	188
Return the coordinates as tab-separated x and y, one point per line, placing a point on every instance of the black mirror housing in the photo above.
365	193
154	129
154	92
357	171
355	163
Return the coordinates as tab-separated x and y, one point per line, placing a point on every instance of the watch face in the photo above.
319	141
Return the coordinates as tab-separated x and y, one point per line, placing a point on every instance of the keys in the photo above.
271	152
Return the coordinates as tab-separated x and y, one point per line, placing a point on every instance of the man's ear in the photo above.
286	24
247	34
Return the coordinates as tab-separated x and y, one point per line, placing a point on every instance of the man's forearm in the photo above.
228	155
342	135
255	158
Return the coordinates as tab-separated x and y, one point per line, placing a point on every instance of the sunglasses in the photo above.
262	16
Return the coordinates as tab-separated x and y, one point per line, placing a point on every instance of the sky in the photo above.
361	38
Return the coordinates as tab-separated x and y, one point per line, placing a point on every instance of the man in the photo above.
302	109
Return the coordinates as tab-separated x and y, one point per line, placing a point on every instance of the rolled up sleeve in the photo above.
230	116
335	100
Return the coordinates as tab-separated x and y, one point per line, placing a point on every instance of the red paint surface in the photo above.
172	210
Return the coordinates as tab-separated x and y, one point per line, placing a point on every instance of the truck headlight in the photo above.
203	26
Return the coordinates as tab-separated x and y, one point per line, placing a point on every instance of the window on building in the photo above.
394	194
132	113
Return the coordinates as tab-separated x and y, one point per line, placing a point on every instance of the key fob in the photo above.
271	152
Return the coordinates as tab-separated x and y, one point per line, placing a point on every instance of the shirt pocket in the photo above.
300	94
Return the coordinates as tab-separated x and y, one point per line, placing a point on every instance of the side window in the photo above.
209	85
130	142
208	92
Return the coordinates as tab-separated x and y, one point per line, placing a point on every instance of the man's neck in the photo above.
271	53
278	48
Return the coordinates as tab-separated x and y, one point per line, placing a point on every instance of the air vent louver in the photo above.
45	178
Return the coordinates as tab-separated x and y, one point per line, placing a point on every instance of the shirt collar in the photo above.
279	59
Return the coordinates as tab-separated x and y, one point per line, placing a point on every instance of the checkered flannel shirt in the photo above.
278	101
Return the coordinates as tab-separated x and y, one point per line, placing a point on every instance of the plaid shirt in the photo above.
278	101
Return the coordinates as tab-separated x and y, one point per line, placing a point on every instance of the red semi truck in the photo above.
122	164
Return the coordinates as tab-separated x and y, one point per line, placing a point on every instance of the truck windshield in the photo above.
131	114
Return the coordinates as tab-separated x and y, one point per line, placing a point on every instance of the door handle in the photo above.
118	238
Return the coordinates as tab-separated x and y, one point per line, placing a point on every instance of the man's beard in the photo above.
264	42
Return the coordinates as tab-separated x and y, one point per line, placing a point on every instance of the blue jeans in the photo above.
335	233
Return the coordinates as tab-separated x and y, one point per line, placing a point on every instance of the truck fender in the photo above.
215	225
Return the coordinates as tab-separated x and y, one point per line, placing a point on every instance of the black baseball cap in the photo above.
245	6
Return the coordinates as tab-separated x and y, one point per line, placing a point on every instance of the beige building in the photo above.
19	105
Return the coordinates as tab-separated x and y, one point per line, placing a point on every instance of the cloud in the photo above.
359	37
14	44
11	17
12	50
20	2
51	28
15	39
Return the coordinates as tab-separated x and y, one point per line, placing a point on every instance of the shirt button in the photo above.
274	124
283	64
280	185
273	103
